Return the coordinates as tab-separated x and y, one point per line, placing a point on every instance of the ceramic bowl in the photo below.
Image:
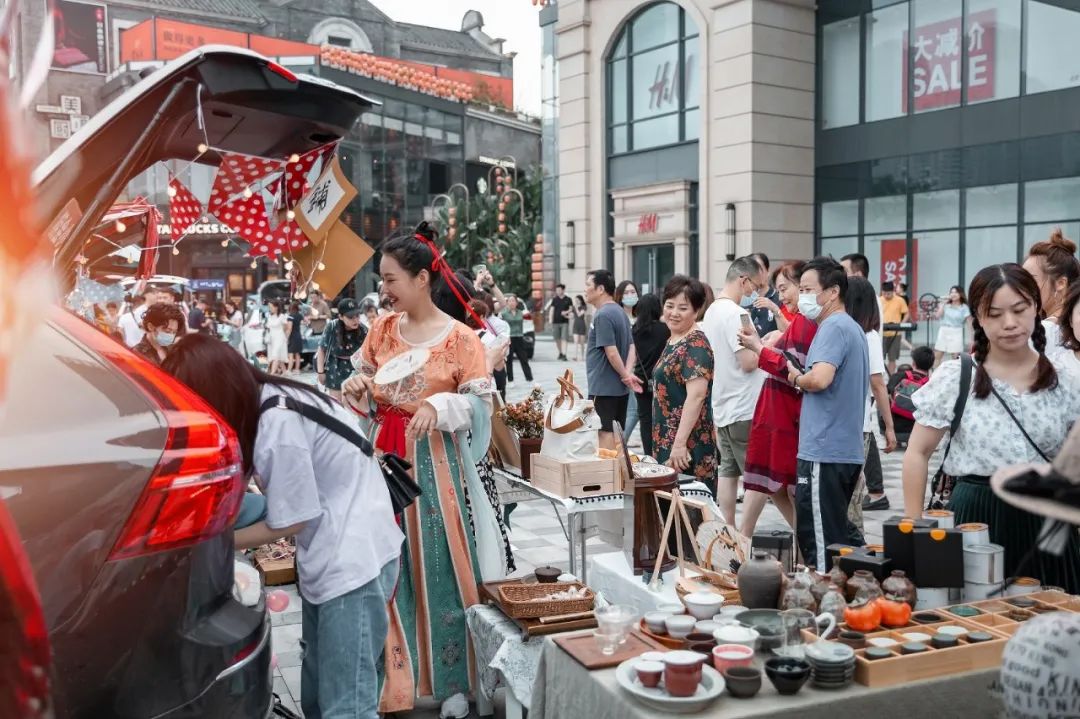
882	642
855	640
697	641
732	610
736	634
671	608
742	682
703	605
787	674
952	630
649	673
917	637
655	621
652	656
679	625
726	656
706	626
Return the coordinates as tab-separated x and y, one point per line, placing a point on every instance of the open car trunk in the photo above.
233	100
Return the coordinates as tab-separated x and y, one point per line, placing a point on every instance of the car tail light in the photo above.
24	639
198	483
282	71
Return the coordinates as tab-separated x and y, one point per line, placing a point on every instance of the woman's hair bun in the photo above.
1058	239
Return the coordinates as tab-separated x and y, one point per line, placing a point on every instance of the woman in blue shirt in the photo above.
954	315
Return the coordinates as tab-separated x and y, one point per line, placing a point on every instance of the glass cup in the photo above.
610	640
613	624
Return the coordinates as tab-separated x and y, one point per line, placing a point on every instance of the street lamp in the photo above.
571	249
729	230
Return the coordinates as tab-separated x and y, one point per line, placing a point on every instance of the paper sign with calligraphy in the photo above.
324	202
342	255
938	61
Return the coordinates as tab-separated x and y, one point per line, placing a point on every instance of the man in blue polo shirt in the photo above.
835	386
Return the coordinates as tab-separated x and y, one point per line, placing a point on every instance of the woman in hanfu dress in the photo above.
426	419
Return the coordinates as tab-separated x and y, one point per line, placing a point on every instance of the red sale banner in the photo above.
937	62
896	267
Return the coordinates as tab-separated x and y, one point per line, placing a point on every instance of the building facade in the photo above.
686	135
934	136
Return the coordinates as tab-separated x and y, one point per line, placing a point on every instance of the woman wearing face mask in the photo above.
427	423
1012	375
1054	266
627	295
162	324
774	432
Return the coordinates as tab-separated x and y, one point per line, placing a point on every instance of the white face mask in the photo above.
809	306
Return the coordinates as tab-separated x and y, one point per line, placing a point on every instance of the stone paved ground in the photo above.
536	536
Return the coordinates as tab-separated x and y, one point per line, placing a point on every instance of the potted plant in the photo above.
526	420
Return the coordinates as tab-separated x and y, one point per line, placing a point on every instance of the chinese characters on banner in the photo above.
80	30
897	267
937	62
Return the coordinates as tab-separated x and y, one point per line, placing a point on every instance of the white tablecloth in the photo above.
611	575
502	656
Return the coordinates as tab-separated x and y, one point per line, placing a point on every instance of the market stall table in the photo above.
610	575
566	689
503	658
513	487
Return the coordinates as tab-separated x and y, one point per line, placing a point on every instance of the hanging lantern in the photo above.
502	206
502	217
452	211
498	171
452	222
502	228
499	189
508	180
451	233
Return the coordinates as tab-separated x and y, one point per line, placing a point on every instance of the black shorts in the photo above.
610	409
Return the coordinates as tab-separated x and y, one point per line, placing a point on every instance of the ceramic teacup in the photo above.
649	673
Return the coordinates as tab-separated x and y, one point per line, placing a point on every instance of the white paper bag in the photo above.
570	424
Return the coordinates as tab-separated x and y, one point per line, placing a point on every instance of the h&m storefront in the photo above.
685	135
947	137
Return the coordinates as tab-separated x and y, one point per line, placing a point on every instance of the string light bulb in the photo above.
315	285
120	226
288	265
290	215
301	295
225	243
294	158
322	266
247	193
202	148
176	250
254	264
171	191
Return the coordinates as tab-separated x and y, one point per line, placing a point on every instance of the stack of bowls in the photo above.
832	664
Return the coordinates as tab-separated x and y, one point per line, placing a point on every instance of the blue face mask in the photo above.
164	339
629	300
748	300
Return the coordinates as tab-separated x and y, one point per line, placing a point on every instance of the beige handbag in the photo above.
570	424
504	450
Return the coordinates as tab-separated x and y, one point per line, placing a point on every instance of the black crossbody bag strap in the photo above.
316	415
1017	423
967	366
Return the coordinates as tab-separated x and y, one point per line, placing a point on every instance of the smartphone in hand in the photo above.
795	361
745	319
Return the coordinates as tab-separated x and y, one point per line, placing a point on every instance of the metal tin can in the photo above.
977	591
984	563
975	533
931	598
1023	585
945	518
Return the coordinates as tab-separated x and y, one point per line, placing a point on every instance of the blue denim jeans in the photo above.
631	416
342	643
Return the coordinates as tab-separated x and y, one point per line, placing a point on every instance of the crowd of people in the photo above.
772	383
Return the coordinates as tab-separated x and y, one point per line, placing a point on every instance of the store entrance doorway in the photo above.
653	266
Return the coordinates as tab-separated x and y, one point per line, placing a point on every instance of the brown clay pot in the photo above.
759	581
898	585
862	579
837	575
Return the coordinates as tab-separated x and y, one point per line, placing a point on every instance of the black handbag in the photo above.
942	486
403	489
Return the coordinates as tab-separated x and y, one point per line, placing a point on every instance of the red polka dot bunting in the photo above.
296	173
236	173
248	217
184	209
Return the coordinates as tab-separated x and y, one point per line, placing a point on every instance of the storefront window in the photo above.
985	246
839	246
936	209
840	74
886	255
886	33
1057	199
653	85
936	55
990	205
993	39
840	218
1052	60
885	214
936	258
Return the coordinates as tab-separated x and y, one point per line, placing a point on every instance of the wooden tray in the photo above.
489	594
584	649
901	669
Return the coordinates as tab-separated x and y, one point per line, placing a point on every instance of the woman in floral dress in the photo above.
774	432
426	419
682	412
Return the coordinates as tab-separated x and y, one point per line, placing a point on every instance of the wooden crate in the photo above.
900	668
275	571
575	478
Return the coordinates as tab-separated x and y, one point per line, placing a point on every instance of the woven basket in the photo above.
516	600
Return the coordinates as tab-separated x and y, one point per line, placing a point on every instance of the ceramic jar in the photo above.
799	596
836	575
820	586
862	579
759	581
898	586
833	603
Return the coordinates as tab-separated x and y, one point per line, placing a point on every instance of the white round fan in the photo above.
402	366
723	549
